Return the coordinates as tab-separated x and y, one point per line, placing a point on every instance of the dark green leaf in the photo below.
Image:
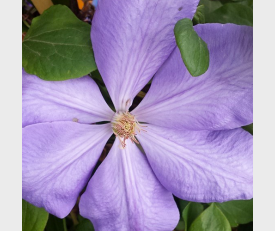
56	224
180	225
249	128
237	212
212	219
193	49
244	2
210	6
182	204
228	1
25	28
232	13
191	212
247	3
33	218
84	225
199	15
58	46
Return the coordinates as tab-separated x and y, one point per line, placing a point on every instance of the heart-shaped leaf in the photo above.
211	219
58	46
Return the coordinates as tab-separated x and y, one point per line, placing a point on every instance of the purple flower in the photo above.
195	148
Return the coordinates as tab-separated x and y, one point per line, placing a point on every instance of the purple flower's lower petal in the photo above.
131	40
219	99
124	195
201	166
71	100
58	160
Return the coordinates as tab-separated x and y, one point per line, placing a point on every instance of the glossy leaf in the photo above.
193	49
191	212
58	46
212	219
237	212
231	13
33	218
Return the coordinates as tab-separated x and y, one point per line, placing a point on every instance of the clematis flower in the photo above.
194	146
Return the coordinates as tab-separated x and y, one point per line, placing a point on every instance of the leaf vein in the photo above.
63	44
54	31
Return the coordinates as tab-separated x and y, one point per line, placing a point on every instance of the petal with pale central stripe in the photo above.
57	162
124	194
71	100
202	166
222	98
131	40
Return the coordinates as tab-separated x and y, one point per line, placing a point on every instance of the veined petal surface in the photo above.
124	195
222	98
201	166
71	100
131	40
57	162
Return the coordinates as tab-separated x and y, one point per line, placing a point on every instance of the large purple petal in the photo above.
124	195
131	39
219	99
201	166
58	160
71	100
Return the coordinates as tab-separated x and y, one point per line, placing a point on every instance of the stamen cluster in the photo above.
124	126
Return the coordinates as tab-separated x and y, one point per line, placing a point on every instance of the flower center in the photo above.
124	126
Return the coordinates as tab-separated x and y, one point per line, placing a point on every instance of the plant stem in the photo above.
74	218
26	23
